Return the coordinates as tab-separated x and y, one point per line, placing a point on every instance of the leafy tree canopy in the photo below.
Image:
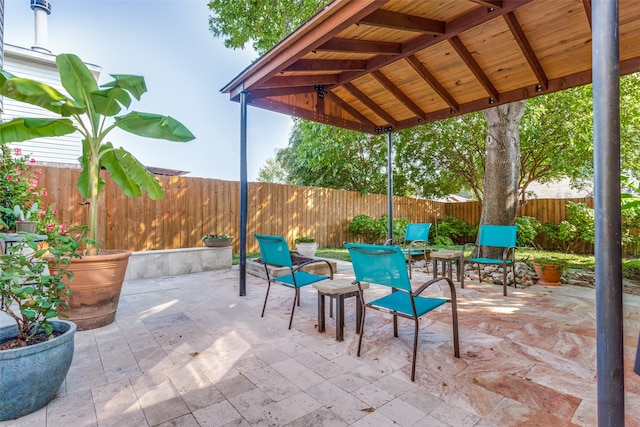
263	23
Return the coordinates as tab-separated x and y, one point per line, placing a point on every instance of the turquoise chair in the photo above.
416	238
497	236
385	265
275	252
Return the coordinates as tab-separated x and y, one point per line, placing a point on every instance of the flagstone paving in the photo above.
188	351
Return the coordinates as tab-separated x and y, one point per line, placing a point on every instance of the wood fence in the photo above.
193	207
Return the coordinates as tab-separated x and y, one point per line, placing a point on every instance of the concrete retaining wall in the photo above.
171	262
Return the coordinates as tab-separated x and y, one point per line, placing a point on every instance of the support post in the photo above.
243	194
389	183
608	247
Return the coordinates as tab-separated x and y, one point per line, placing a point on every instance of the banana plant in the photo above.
93	112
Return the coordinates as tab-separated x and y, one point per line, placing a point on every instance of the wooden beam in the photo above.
587	10
327	65
401	96
432	81
312	115
360	96
307	80
494	4
525	47
465	55
280	91
361	46
349	109
401	21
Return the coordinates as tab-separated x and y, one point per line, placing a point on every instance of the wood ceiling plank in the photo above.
364	99
401	96
526	49
477	71
433	82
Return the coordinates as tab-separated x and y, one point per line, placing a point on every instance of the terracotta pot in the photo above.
96	285
548	274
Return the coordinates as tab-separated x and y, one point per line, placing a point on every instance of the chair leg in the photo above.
364	312
265	298
479	273
395	326
504	279
293	307
415	351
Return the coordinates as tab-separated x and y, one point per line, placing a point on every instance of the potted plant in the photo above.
306	246
27	219
93	112
549	270
216	240
36	351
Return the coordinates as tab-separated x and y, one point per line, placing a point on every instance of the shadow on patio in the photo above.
187	351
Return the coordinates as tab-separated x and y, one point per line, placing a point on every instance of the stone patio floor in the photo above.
187	351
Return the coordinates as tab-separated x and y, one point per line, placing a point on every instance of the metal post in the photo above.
243	193
608	246
389	183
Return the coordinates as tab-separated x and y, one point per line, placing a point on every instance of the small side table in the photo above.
13	238
338	289
447	258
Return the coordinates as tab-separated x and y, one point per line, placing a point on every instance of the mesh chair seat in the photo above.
275	252
385	266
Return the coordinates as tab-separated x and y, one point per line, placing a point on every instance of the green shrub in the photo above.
442	241
528	228
453	228
399	227
577	229
367	229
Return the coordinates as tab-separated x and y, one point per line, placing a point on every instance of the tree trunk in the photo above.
502	170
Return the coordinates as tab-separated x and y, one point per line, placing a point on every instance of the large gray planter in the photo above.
30	376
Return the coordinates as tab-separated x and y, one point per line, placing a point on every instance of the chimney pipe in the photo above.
42	9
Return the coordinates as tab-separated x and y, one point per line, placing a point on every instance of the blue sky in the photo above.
169	43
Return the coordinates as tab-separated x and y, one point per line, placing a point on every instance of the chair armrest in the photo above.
417	242
425	285
315	261
505	253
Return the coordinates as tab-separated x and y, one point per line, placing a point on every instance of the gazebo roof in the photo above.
370	65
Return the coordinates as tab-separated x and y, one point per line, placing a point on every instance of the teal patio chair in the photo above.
385	265
275	252
415	242
498	236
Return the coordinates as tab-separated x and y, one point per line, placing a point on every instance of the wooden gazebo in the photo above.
379	66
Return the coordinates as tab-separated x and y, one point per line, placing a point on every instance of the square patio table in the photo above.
338	289
446	258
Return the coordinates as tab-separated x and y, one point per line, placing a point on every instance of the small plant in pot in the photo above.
306	246
216	240
93	112
549	269
26	219
37	349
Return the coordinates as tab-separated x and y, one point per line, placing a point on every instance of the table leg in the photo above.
450	268
320	312
435	267
340	318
